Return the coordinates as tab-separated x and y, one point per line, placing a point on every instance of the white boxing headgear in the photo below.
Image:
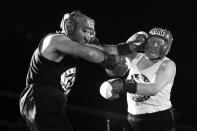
165	35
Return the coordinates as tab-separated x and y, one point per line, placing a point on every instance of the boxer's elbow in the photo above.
95	56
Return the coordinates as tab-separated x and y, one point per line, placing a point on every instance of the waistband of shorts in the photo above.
154	114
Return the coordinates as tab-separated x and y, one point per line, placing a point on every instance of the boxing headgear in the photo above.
68	24
166	36
71	21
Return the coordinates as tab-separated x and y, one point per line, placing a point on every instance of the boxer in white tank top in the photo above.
147	85
155	101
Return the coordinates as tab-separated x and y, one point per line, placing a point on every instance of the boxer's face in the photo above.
155	46
85	31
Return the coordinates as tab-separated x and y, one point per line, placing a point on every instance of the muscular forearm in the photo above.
120	49
107	54
94	55
111	49
146	89
97	56
95	46
120	85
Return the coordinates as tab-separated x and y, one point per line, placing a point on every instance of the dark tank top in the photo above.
59	75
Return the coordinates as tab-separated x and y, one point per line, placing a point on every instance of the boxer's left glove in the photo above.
138	41
112	88
134	44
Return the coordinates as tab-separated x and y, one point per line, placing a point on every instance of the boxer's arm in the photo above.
111	49
120	49
57	45
164	76
134	44
112	88
60	45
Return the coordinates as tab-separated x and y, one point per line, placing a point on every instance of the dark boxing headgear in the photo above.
71	21
166	36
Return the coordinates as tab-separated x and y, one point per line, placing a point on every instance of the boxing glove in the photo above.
134	44
137	41
120	69
112	88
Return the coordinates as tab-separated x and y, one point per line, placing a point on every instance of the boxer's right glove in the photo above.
120	69
112	88
115	65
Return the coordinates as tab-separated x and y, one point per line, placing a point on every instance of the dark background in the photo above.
24	25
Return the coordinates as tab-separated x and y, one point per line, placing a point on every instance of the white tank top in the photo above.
138	104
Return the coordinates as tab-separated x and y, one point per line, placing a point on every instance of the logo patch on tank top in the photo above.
68	79
141	79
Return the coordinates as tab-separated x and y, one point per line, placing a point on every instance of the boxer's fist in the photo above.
112	88
138	41
120	69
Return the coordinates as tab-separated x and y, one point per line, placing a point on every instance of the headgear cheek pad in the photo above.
165	35
68	24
